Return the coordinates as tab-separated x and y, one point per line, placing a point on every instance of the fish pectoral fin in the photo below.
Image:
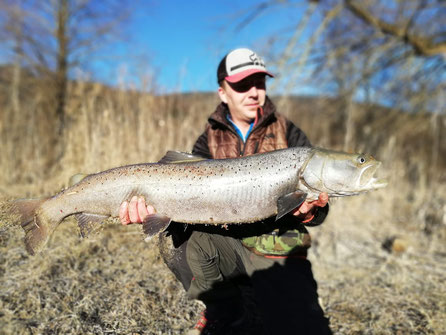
89	223
176	157
289	202
154	224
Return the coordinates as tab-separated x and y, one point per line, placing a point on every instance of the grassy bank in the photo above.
379	258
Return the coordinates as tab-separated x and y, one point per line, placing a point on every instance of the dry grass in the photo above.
379	258
371	286
112	283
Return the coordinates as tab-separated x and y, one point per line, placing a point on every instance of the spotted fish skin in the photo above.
209	191
239	190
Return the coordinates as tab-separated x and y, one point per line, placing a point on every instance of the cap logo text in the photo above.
254	61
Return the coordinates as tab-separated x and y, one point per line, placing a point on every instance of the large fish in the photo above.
184	188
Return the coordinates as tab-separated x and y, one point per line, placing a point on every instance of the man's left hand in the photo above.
307	210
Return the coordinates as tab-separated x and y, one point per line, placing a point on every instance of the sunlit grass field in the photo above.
379	258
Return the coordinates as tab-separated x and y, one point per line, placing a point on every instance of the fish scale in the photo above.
239	182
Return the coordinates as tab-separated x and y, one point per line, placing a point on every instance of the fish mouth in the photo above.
377	183
367	179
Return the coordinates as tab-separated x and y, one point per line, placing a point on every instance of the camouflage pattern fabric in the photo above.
279	244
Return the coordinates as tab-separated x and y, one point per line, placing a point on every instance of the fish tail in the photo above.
36	233
25	209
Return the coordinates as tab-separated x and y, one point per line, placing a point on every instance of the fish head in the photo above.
340	173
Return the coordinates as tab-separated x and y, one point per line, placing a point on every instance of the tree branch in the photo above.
423	46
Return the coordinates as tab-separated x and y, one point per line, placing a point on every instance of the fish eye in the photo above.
361	159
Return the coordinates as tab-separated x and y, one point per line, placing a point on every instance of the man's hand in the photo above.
135	211
307	210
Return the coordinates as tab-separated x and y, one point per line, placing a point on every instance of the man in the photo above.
259	266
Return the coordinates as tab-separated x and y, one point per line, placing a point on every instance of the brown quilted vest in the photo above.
268	134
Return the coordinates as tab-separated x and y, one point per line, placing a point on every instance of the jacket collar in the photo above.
218	118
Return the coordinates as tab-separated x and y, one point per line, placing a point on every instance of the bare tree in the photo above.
412	26
46	43
57	36
396	47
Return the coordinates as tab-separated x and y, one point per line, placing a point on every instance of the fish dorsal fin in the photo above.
89	223
177	157
289	202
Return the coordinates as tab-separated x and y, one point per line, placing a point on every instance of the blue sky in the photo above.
177	43
181	42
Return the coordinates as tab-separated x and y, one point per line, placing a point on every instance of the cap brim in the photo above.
242	75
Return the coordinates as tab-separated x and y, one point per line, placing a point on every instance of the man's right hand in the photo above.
135	211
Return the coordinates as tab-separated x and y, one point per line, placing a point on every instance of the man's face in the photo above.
244	98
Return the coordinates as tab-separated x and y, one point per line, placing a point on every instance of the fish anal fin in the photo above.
89	223
155	224
289	202
177	157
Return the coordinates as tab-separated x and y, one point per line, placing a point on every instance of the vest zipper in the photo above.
241	149
256	146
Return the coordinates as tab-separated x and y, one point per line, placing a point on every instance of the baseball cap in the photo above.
239	64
